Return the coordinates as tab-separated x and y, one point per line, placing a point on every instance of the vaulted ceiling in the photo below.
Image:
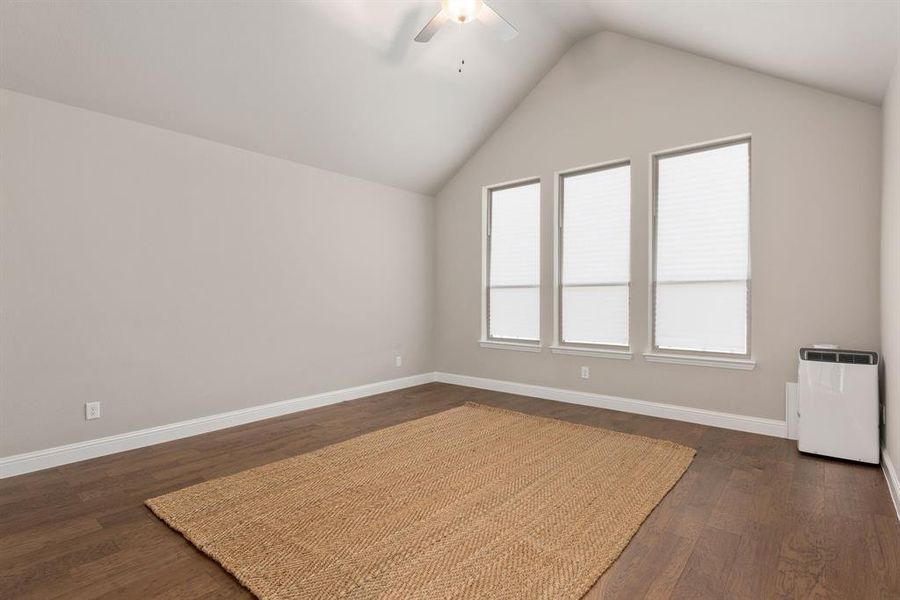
342	86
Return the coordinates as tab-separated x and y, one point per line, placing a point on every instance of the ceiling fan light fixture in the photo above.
461	11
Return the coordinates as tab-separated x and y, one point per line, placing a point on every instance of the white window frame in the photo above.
726	360
486	340
614	351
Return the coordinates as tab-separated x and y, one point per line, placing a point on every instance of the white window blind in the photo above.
595	265
702	249
514	257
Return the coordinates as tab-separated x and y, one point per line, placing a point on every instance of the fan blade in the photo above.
498	24
433	25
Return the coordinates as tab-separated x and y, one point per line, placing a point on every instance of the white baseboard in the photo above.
759	425
893	483
61	455
53	457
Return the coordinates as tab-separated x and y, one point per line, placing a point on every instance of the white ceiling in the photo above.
342	86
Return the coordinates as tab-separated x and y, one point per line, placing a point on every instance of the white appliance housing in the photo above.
837	396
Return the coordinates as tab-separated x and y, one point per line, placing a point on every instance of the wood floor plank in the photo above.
753	572
706	573
809	553
751	518
883	544
662	553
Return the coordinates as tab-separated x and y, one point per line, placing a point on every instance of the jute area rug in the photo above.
473	502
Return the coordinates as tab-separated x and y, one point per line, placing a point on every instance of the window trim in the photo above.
704	360
486	340
620	353
560	346
687	356
519	346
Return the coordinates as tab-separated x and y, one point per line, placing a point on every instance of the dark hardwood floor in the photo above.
751	518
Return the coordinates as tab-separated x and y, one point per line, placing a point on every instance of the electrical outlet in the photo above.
398	360
585	372
91	410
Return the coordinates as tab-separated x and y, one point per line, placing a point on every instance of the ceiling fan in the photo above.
464	11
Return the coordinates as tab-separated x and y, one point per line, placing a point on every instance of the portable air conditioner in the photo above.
837	395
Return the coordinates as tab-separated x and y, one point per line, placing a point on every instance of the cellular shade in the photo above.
702	250
514	243
595	265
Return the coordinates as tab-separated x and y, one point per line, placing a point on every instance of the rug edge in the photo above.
588	583
658	441
169	521
467	404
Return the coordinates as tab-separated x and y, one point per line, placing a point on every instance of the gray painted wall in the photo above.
170	277
890	264
815	215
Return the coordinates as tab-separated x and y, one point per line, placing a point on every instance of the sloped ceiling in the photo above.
341	85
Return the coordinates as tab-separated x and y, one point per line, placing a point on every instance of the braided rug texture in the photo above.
472	502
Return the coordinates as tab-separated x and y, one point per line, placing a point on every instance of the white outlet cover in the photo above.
91	410
398	360
585	372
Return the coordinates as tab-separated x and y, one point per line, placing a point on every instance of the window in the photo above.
513	256
594	247
702	249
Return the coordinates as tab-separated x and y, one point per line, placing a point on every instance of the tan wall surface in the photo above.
171	277
815	222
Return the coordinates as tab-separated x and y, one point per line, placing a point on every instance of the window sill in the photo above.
592	352
742	364
518	346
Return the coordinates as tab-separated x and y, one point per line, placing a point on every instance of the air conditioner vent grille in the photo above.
853	357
